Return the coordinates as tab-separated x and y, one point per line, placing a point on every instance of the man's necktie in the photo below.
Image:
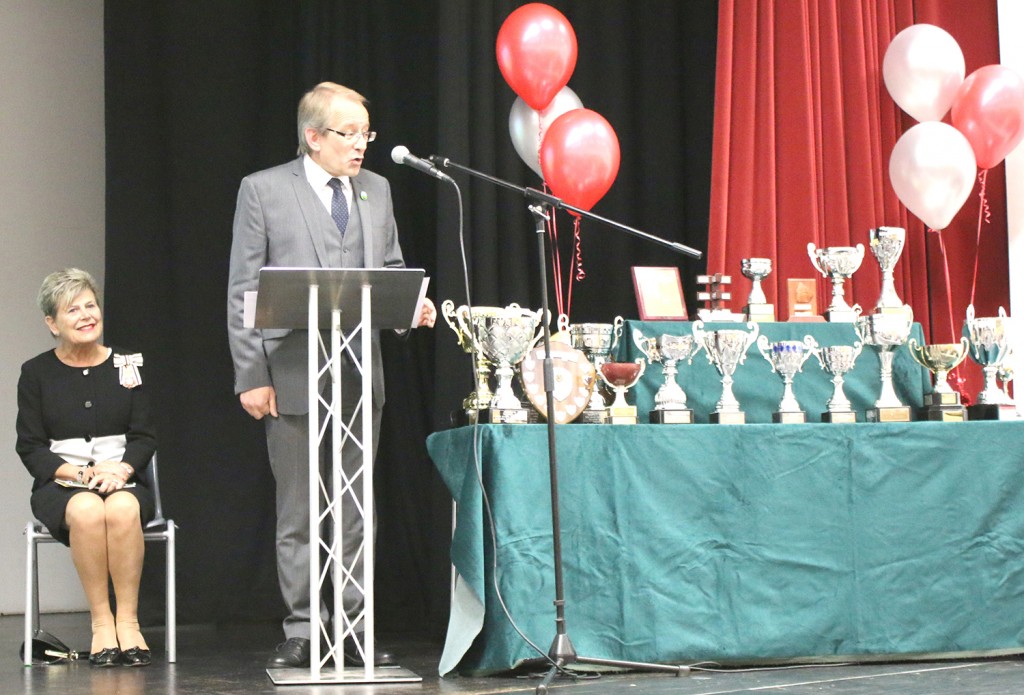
339	206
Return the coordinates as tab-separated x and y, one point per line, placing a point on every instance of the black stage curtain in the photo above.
199	94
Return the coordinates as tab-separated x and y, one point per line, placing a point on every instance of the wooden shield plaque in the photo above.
575	378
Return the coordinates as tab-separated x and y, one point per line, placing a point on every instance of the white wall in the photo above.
1011	55
51	216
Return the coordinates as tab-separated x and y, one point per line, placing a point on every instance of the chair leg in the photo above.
31	593
171	620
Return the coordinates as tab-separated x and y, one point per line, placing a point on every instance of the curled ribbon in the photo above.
128	369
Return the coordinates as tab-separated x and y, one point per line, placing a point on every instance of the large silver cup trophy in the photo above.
758	308
837	360
458	319
787	358
943	403
887	246
505	338
989	338
885	333
726	349
597	341
838	263
670	400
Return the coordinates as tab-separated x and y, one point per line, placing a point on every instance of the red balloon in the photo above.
536	50
989	111
579	157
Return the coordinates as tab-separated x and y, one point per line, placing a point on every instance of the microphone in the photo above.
401	155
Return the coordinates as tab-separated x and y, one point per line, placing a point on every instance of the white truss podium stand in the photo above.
309	298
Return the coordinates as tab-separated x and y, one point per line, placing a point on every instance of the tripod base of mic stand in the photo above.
562	656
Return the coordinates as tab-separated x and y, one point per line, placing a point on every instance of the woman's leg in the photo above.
125	550
86	518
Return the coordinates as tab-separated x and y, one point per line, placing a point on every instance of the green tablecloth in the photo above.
758	389
739	543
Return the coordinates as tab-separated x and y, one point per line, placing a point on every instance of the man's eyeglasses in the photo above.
354	135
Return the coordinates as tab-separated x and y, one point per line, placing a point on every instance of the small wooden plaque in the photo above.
802	299
659	293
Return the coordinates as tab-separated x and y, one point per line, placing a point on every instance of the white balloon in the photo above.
922	69
527	126
932	169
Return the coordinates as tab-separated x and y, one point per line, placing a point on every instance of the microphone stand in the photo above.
562	654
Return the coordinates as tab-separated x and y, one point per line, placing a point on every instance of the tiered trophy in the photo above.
943	403
989	346
458	319
758	308
885	332
838	263
505	338
837	360
726	349
887	245
787	359
620	377
597	341
670	401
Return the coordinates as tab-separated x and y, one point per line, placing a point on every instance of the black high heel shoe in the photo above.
136	656
111	656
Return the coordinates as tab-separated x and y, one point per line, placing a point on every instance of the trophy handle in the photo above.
812	252
698	338
616	332
562	324
812	349
916	351
860	252
755	330
763	344
643	344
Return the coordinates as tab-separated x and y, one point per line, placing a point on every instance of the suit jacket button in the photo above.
88	404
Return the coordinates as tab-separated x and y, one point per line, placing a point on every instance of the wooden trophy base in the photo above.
943	413
734	418
760	313
682	416
992	411
781	418
844	417
896	414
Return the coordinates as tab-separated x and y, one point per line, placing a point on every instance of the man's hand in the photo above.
428	314
259	402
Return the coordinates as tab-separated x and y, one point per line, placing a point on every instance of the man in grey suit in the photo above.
321	210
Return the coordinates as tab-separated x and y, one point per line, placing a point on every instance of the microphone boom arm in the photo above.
555	202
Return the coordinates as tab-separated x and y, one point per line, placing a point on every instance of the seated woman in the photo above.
84	433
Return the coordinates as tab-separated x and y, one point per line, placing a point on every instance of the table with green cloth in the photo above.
737	543
757	389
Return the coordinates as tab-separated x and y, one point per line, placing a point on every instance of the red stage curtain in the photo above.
804	127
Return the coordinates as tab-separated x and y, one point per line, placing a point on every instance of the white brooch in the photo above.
128	369
362	195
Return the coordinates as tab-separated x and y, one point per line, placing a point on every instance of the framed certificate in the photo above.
659	293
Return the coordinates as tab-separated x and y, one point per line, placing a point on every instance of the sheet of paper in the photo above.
419	302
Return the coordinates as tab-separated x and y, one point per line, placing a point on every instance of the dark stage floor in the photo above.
226	661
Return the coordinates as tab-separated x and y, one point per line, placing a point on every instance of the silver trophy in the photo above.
726	349
758	308
885	333
505	338
670	400
597	341
620	377
458	320
787	359
887	246
838	263
943	403
989	346
837	360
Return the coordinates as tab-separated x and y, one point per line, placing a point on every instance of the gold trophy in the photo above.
943	403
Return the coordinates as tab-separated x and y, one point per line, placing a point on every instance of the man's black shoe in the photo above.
292	653
382	657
